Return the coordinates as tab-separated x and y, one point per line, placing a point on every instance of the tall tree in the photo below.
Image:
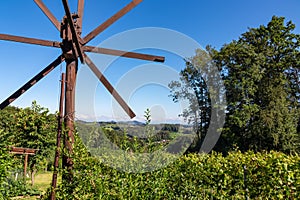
199	84
261	73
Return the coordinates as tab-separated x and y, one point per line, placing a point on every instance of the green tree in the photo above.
34	128
7	124
201	86
261	74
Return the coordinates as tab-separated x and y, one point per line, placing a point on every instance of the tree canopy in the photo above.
32	127
261	71
261	74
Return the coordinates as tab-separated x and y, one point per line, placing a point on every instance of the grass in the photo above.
42	183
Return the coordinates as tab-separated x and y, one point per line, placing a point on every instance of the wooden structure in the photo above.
23	151
58	136
73	47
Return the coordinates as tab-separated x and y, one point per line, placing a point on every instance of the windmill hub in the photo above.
68	44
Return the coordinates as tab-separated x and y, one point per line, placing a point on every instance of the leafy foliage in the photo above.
261	73
5	165
19	188
36	129
193	88
270	175
33	128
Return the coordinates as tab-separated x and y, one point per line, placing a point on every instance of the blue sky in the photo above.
212	22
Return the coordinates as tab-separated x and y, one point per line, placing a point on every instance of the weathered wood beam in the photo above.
110	21
109	87
31	82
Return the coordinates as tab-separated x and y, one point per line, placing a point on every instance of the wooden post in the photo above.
69	52
26	152
25	166
58	138
71	72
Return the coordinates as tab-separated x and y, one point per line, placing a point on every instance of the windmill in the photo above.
74	48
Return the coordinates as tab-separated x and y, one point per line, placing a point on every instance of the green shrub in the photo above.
6	164
20	188
271	175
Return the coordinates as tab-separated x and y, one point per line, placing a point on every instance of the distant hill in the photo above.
132	123
135	123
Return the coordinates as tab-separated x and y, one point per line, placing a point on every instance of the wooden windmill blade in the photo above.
109	87
28	40
126	54
47	12
32	82
111	20
80	9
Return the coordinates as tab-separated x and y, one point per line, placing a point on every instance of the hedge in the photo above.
271	175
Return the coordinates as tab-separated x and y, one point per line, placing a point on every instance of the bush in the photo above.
239	175
6	164
20	188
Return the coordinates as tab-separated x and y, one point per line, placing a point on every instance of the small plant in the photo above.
147	116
